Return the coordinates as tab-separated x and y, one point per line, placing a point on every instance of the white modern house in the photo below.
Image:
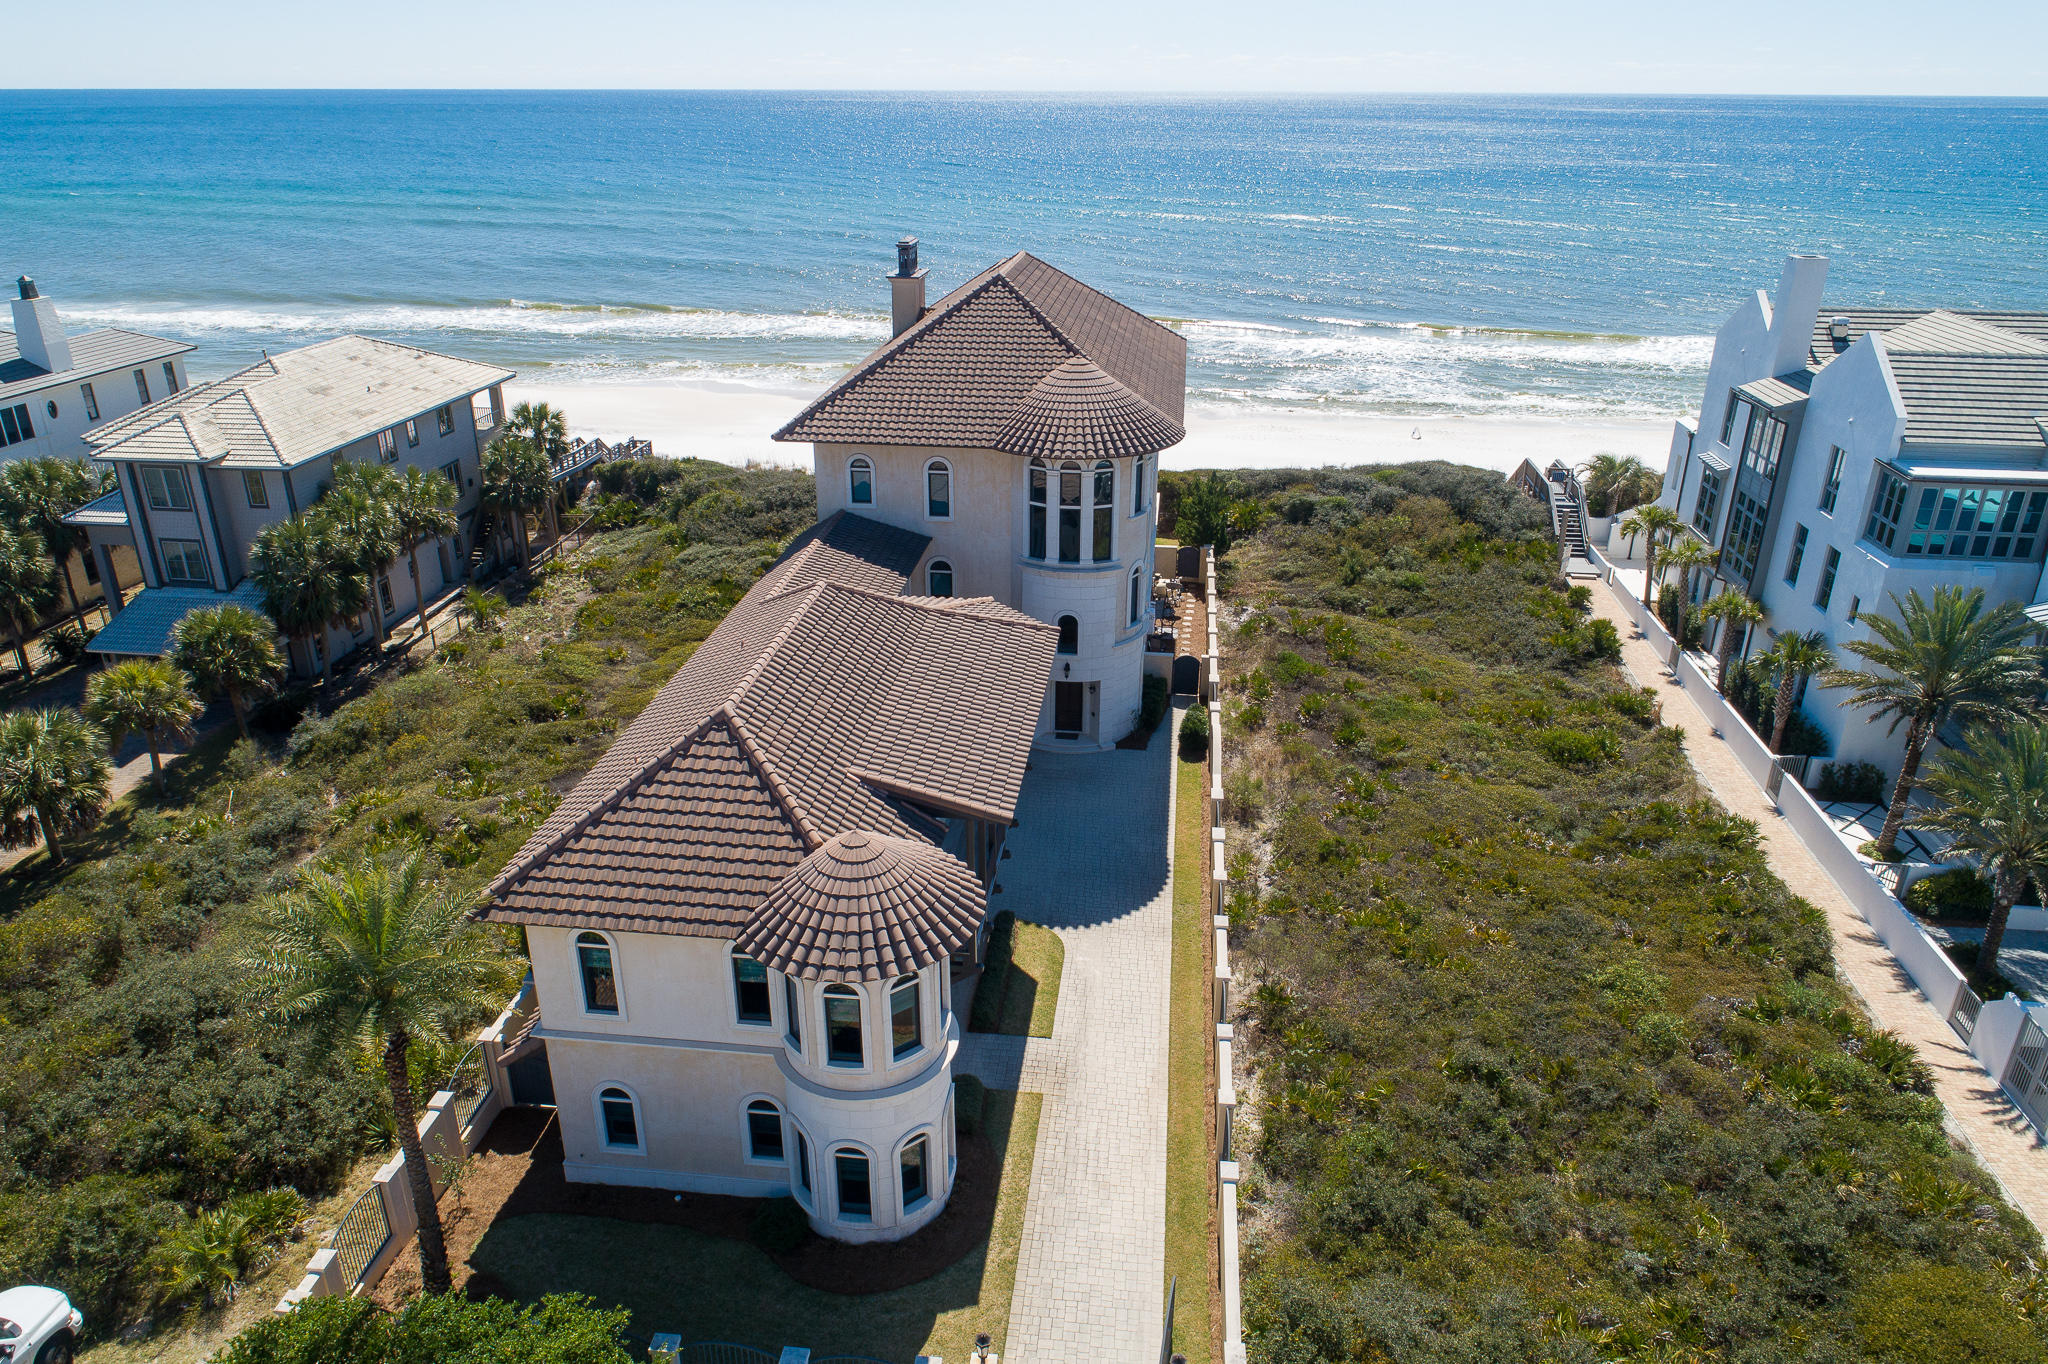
54	386
201	472
1017	423
1844	454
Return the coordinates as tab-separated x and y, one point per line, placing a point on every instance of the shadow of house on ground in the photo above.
1090	843
687	1263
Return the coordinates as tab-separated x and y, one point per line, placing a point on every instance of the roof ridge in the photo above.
417	350
813	836
930	604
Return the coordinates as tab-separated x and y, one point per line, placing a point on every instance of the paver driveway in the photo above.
1090	859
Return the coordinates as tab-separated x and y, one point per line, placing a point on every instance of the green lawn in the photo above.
1020	989
1190	1231
708	1287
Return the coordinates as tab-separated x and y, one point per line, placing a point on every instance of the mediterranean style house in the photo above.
201	472
1844	455
746	922
1018	424
54	386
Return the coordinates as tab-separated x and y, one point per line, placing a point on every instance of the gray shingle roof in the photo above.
298	405
968	373
814	708
108	509
1968	378
92	353
143	627
865	907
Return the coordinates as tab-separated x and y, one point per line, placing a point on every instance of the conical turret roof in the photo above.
865	906
1078	411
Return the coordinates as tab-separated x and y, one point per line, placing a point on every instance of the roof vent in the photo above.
1839	329
28	286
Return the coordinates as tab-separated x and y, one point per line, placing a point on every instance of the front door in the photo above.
1066	709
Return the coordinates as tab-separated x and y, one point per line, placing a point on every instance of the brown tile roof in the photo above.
814	708
866	907
971	370
850	549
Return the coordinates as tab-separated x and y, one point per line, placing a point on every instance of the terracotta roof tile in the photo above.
866	907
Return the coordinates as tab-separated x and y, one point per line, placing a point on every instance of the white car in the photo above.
37	1326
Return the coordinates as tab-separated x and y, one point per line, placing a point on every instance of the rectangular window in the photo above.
938	492
184	561
1798	553
854	1200
842	1027
452	471
1735	405
387	446
142	387
92	402
750	990
1832	488
10	430
384	591
166	489
621	1126
1038	475
803	1162
445	420
1105	508
916	1183
1827	578
1957	522
792	1015
1883	526
1745	537
252	487
1708	502
1070	516
764	1131
412	431
1762	444
1855	609
170	378
905	1036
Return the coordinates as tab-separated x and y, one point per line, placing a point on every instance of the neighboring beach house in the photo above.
1845	454
202	472
1018	424
55	386
747	921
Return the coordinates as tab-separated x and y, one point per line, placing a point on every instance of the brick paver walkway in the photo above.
1978	1112
1091	859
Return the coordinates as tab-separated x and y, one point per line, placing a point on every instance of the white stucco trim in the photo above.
682	1181
547	1034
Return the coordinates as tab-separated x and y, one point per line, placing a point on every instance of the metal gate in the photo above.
1964	1018
2026	1079
533	1084
362	1234
1187	675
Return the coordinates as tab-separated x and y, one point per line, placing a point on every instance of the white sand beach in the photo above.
732	423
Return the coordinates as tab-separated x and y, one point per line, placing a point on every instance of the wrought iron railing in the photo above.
470	1083
2027	1078
722	1352
362	1234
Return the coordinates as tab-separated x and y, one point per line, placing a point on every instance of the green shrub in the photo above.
1961	896
1575	747
970	1098
1602	639
780	1226
452	1329
1668	598
1856	783
1194	733
1941	1314
1158	694
66	643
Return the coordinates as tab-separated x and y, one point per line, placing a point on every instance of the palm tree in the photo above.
53	777
373	953
1992	801
513	479
229	651
1737	612
1653	521
290	562
27	583
1687	556
485	608
1615	483
1795	658
545	429
1937	659
1636	483
145	696
37	495
422	509
362	531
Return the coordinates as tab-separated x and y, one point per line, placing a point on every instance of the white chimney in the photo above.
906	288
37	332
1794	311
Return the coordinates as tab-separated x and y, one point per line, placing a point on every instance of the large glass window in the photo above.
1890	500
842	1026
600	986
916	1166
184	561
792	1014
1736	408
854	1198
1763	444
444	420
1798	553
1038	475
1831	488
764	1130
1826	591
1955	521
938	490
906	1022
1105	508
621	1120
1708	502
1745	537
166	489
750	990
1070	513
860	480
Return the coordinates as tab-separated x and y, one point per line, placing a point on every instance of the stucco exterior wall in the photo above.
113	391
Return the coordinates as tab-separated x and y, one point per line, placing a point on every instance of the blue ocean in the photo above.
1566	257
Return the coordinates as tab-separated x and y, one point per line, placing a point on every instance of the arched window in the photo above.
938	490
600	984
906	1019
764	1130
856	1203
915	1164
750	990
792	1015
1038	476
1070	635
939	578
1105	508
618	1119
1137	591
860	479
1070	513
842	1026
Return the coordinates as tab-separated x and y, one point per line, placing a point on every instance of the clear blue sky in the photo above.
1992	47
